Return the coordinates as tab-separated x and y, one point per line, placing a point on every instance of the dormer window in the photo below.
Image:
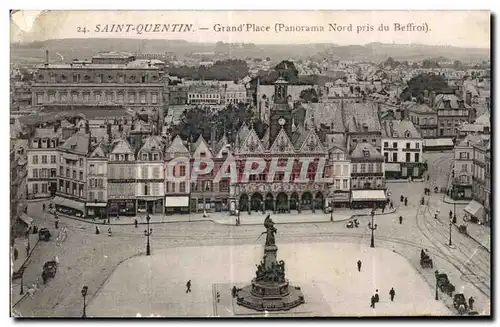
203	154
366	153
144	156
156	156
122	157
407	134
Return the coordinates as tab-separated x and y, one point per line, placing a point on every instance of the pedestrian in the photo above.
373	302
218	297
16	254
377	299
392	293
359	265
188	286
97	231
400	220
43	207
392	205
135	222
57	223
109	231
471	303
383	208
436	216
234	291
427	177
402	198
450	214
406	201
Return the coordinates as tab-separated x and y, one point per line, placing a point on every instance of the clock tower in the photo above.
281	113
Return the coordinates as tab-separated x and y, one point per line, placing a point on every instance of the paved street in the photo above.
324	271
439	168
89	259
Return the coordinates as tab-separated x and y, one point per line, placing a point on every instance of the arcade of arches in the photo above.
281	202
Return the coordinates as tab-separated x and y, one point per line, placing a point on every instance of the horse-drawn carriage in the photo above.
49	270
445	285
44	234
460	303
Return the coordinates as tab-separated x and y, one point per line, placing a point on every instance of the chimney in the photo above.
433	99
46	58
468	98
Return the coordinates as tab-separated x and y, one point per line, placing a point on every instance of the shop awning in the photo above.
176	201
69	203
368	195
475	209
394	166
28	220
93	204
438	142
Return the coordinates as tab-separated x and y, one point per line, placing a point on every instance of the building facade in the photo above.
463	169
71	194
177	178
150	190
97	182
122	179
402	147
43	159
107	78
205	95
452	113
340	171
425	120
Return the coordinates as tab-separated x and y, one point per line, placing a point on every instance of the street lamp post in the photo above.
331	210
148	233
22	280
84	294
372	228
28	247
450	233
436	274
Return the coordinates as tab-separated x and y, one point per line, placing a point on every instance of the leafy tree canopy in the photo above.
309	95
231	69
418	84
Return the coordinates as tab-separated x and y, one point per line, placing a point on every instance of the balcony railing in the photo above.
459	181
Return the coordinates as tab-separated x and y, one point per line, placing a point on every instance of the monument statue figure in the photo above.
270	289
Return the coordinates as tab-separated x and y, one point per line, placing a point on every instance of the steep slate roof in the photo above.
222	142
484	119
177	146
326	113
420	108
361	147
335	140
398	129
152	142
358	115
78	142
201	143
440	98
242	134
312	143
122	147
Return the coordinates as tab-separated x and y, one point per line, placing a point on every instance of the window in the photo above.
156	156
407	133
35	160
182	187
395	145
120	97
354	168
386	144
417	145
35	188
146	189
92	169
100	183
156	172
91	196
154	98
363	168
81	176
408	145
345	184
44	159
417	157
74	96
35	173
74	174
44	188
81	162
144	172
408	157
363	140
100	196
182	171
374	141
67	173
53	172
131	98
143	98
98	97
394	157
464	168
39	98
52	159
144	156
61	171
370	168
52	97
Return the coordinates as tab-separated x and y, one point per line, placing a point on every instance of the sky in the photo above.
455	28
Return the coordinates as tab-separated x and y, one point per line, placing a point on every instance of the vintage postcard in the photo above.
250	164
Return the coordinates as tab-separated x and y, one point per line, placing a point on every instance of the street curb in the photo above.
18	301
27	257
312	222
469	236
38	199
454	202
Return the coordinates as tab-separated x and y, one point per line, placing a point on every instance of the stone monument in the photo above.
270	289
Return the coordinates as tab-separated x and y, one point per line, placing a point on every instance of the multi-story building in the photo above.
205	95
150	190
177	178
402	147
339	168
107	78
425	120
177	94
43	159
362	124
463	168
97	181
71	194
487	186
122	179
452	113
18	172
367	176
234	93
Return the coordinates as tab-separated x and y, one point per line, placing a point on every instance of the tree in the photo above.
430	64
418	84
309	95
457	64
287	70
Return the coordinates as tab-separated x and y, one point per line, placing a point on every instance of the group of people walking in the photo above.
375	297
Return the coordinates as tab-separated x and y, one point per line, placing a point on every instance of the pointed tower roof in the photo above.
282	143
177	146
201	146
122	147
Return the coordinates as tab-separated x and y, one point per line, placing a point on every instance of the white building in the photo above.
402	149
235	93
43	159
339	168
204	95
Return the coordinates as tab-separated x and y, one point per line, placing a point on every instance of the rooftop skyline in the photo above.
451	28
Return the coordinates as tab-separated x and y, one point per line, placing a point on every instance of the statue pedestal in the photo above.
270	255
262	296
